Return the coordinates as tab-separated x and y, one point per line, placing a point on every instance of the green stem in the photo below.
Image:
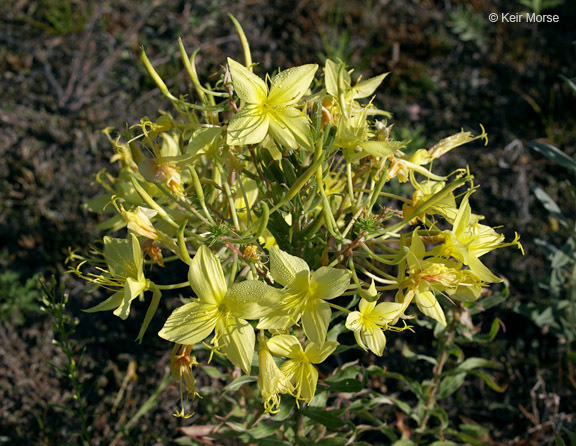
173	286
200	193
350	186
299	184
151	203
339	308
438	369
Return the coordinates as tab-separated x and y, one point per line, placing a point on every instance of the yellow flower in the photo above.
305	296
181	364
370	322
299	369
139	221
469	240
271	381
221	310
125	275
270	109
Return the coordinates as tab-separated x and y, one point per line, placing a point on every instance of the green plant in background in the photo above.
335	37
53	302
571	437
16	298
559	313
274	192
60	17
537	6
468	26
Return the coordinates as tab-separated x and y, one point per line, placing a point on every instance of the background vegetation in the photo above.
68	69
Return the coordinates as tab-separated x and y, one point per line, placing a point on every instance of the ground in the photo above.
70	69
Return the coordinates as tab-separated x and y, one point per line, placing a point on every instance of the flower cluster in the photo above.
273	191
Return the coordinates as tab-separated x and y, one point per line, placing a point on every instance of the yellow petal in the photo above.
428	304
236	340
367	87
329	283
206	277
284	266
132	289
252	299
287	346
190	323
288	86
111	303
317	353
248	126
315	320
375	340
247	85
124	257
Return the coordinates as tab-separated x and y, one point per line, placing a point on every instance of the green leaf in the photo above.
570	82
405	407
550	205
450	384
559	440
488	337
474	363
565	255
286	406
441	415
331	419
345	385
571	436
554	154
236	427
239	382
404	442
98	204
410	354
347	371
273	442
264	430
112	224
212	372
489	381
414	386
